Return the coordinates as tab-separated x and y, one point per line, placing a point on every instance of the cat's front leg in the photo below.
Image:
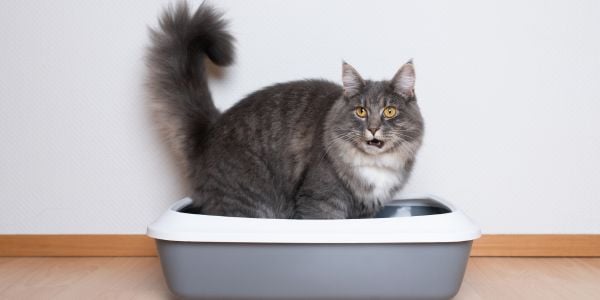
322	195
310	206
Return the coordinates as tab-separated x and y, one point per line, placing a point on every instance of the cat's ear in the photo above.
353	83
404	80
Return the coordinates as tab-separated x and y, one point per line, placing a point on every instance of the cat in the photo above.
307	149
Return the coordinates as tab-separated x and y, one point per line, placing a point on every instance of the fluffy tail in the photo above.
181	100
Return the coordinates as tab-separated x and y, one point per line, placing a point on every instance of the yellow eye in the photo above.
361	111
390	112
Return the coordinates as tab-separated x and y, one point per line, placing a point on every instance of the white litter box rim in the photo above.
454	226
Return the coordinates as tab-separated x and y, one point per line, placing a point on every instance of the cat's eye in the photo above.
390	112
360	112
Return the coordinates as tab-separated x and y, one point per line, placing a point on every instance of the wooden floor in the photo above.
141	278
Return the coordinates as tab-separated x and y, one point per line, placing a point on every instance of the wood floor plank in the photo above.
532	278
141	278
44	278
122	278
14	270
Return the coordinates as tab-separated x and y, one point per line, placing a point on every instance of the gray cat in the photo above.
307	149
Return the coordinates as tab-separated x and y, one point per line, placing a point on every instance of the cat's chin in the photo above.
372	149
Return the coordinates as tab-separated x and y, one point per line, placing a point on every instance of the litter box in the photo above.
416	248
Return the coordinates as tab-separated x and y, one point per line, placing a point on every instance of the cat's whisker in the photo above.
329	145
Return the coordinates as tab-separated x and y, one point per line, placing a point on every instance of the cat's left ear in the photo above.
353	83
404	80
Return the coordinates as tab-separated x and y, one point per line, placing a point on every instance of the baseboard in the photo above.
76	245
542	245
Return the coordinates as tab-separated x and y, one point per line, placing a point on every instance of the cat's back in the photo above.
286	99
279	126
280	111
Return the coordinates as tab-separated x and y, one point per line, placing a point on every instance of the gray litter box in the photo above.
416	248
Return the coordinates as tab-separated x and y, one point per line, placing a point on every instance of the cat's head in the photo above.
379	116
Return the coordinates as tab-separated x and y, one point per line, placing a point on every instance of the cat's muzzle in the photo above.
375	142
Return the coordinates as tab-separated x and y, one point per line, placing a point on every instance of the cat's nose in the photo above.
373	130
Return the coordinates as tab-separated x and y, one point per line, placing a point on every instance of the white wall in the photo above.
510	91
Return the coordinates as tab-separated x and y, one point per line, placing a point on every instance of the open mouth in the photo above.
375	142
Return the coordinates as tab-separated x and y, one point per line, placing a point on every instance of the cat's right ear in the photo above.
353	83
404	80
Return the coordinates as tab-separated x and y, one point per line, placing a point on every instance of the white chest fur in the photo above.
381	180
379	175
